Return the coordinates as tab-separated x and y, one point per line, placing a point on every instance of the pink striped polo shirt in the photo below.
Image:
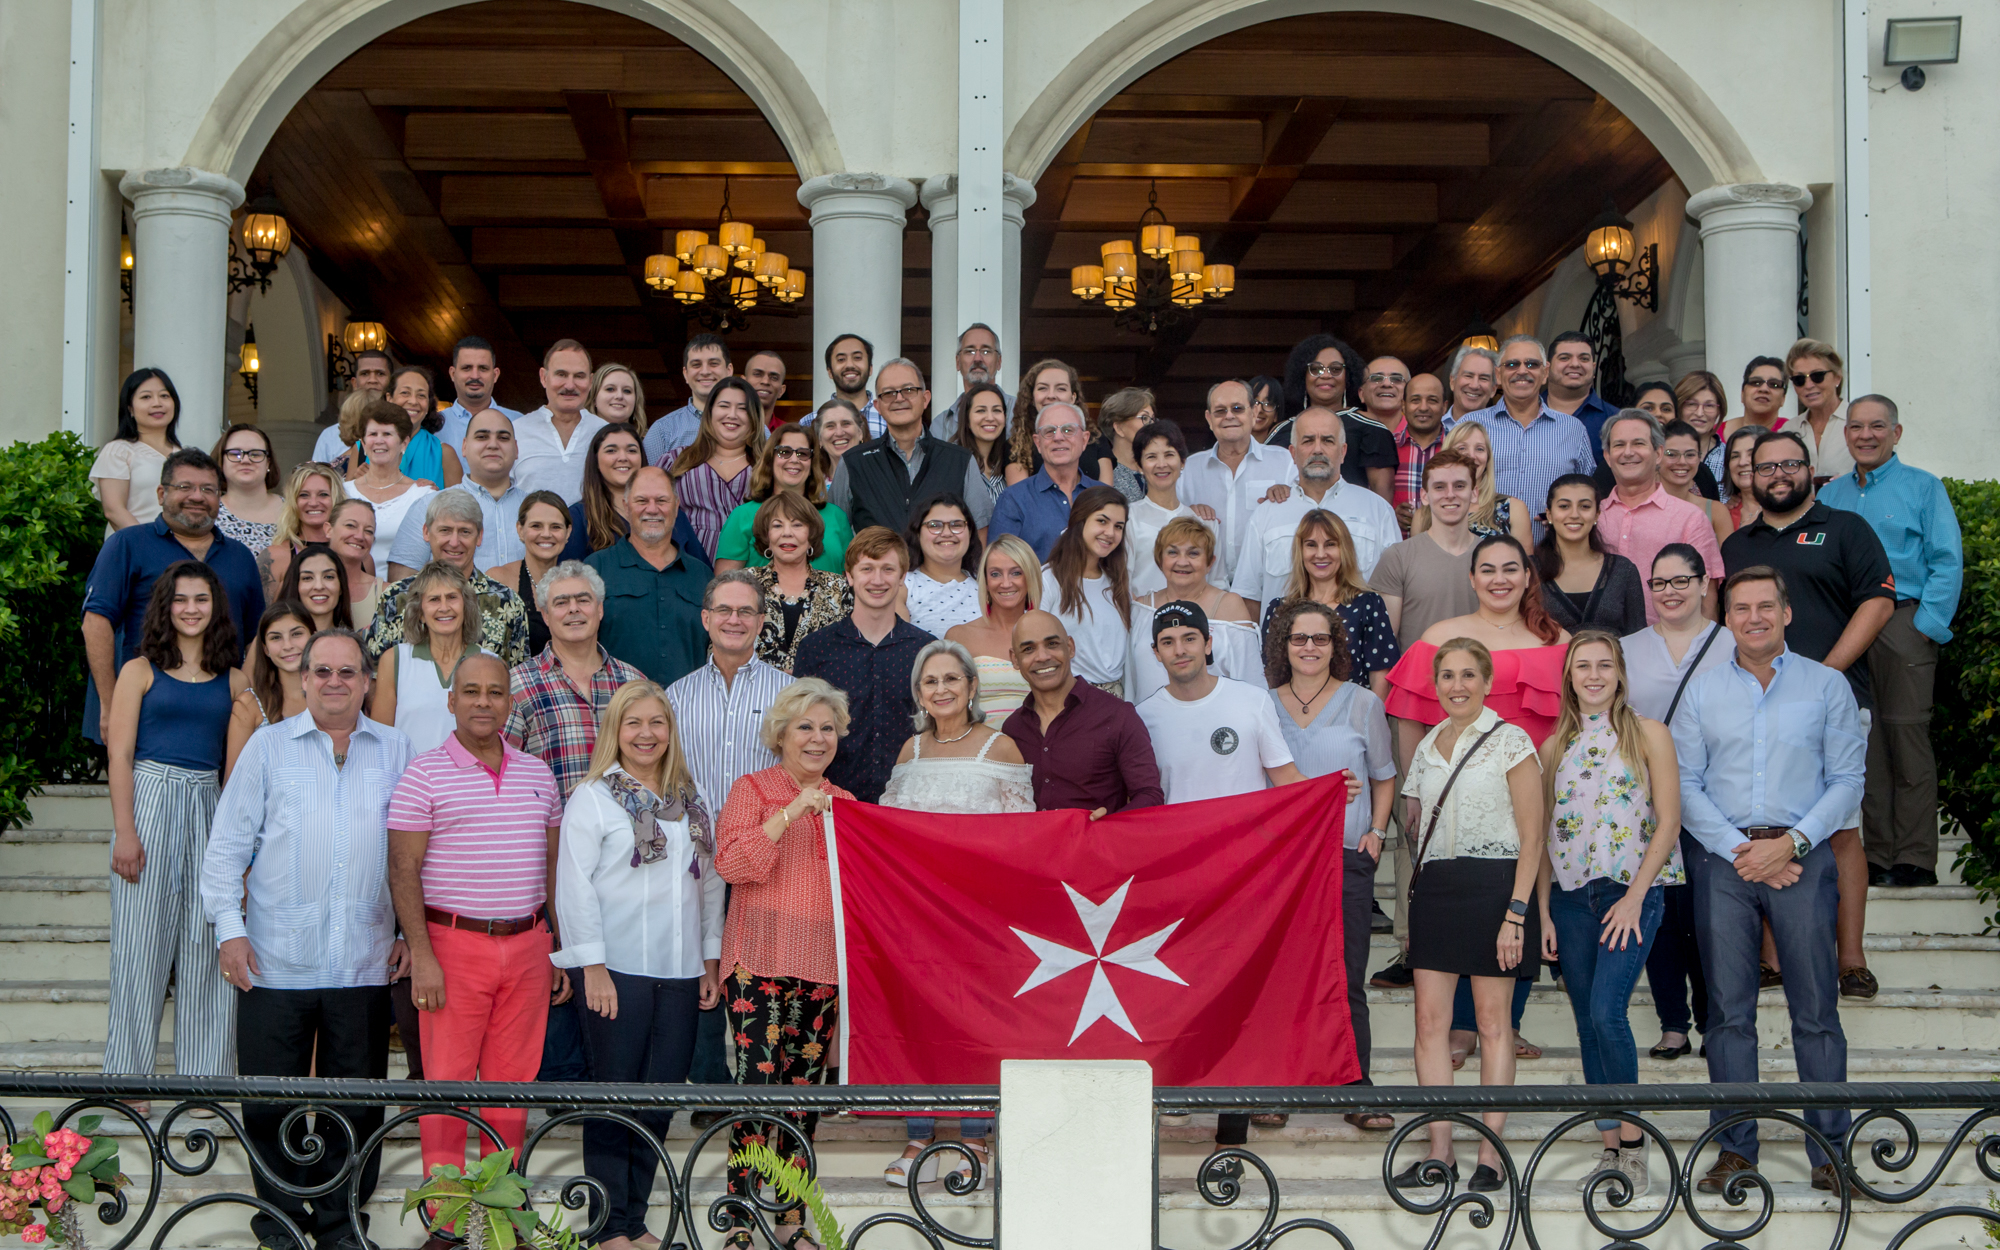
489	849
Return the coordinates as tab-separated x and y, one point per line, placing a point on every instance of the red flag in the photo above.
1204	938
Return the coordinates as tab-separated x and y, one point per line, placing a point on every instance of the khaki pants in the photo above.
1899	822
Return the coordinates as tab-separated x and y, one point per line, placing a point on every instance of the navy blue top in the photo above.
876	679
578	546
121	582
184	723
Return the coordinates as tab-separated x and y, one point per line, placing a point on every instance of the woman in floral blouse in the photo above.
1614	798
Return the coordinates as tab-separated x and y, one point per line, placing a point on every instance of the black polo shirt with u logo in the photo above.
1832	562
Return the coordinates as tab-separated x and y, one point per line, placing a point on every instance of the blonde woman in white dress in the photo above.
956	763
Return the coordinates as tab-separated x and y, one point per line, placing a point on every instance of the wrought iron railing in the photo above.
1882	1146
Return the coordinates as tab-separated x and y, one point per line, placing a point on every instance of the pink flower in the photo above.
54	1202
63	1171
34	1233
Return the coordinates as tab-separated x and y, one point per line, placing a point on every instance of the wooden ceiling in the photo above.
503	169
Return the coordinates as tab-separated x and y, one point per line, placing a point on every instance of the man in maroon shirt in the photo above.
1088	749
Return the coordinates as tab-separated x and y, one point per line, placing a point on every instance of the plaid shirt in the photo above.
503	619
1411	457
552	720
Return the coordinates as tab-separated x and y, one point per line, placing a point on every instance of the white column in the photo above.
83	253
940	196
857	280
1077	1152
981	130
1016	196
180	287
1750	271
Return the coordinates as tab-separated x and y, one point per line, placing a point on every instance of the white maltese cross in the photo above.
1100	1001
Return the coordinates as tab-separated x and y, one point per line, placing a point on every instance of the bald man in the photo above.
473	831
1088	749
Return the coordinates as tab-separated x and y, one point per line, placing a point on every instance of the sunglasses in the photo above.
1817	376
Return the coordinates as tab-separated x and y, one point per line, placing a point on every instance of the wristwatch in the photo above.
1801	844
1518	907
1380	833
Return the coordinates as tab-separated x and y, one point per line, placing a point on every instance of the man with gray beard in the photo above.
1319	442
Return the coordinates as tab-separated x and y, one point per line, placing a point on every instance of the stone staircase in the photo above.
1935	1020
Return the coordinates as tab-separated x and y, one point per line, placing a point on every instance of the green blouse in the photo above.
735	542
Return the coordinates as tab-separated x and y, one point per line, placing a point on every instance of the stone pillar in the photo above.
1076	1148
180	287
1016	196
940	197
857	280
1750	271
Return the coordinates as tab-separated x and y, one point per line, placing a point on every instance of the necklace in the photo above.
1495	624
945	742
1306	703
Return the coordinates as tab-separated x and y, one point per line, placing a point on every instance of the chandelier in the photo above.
721	282
1154	284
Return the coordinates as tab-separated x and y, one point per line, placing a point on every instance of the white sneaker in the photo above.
1607	1161
1632	1162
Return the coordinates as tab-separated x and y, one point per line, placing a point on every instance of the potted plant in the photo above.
53	1170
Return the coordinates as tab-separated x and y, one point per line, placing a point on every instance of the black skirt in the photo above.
1456	909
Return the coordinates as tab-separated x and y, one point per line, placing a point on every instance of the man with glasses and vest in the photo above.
882	481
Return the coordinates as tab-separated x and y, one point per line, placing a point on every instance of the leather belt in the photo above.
1760	833
492	928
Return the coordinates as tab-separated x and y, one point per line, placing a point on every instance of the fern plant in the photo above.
793	1185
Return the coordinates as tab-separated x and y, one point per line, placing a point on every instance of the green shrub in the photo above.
1965	729
50	529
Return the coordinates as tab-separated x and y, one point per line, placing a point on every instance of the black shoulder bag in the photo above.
1437	808
1688	676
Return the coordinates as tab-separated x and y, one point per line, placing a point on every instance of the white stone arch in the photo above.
1606	54
319	34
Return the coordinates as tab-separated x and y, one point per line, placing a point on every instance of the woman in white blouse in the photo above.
1087	587
941	591
956	763
1184	550
1475	809
1161	450
641	910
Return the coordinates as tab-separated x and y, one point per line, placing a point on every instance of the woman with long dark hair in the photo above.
126	474
426	459
598	520
1323	372
168	736
792	460
542	523
982	430
1267	400
276	687
317	581
1325	570
1046	382
940	591
712	474
1587	587
1110	459
1088	587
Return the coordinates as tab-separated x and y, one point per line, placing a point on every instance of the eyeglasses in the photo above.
1770	467
1315	640
979	351
1397	378
741	614
1058	431
944	527
1817	376
901	393
1680	455
326	672
1331	369
1765	384
189	488
1522	364
791	453
1264	404
1221	410
1678	583
246	455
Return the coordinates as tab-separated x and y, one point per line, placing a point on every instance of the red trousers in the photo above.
496	1011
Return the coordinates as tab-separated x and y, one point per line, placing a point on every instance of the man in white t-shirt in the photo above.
1213	736
1263	564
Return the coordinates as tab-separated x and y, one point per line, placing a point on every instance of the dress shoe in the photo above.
1485	1180
1397	976
1769	978
1410	1178
1726	1165
1378	920
1858	983
1878	875
1826	1177
1909	876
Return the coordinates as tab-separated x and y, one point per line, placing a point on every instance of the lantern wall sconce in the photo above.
126	261
342	348
249	363
1480	334
1630	271
258	243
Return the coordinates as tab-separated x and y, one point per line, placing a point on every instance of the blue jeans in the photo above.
1600	979
924	1127
1729	912
1673	969
1464	1020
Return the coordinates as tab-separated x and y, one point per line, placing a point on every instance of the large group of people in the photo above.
516	729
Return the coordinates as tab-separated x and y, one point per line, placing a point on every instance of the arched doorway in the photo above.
503	168
1386	177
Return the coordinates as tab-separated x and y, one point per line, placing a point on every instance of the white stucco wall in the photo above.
34	112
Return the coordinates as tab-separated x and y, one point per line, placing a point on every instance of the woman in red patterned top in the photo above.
777	943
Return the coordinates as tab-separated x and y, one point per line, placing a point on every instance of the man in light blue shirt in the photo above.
1037	508
309	938
473	373
705	361
1910	512
1771	750
1533	444
489	474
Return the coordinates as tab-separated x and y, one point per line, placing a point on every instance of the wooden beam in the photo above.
490	136
1404	143
470	199
600	127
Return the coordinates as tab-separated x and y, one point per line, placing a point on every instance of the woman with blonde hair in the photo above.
1325	571
712	474
1492	512
351	534
1701	402
782	991
1475	812
1046	382
792	460
1611	788
642	912
617	396
1184	551
413	680
1818	376
310	496
1010	585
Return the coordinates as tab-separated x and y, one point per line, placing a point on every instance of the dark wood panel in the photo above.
566	290
490	136
1405	143
1177	140
693	200
469	198
1382	76
1123	199
500	245
705	139
1359	203
1319	251
534	69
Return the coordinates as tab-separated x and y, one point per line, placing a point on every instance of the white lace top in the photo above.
1478	817
969	787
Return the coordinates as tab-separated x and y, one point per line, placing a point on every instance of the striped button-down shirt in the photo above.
719	723
314	837
551	718
1526	460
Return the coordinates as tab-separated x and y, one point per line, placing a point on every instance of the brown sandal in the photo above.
1371	1121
